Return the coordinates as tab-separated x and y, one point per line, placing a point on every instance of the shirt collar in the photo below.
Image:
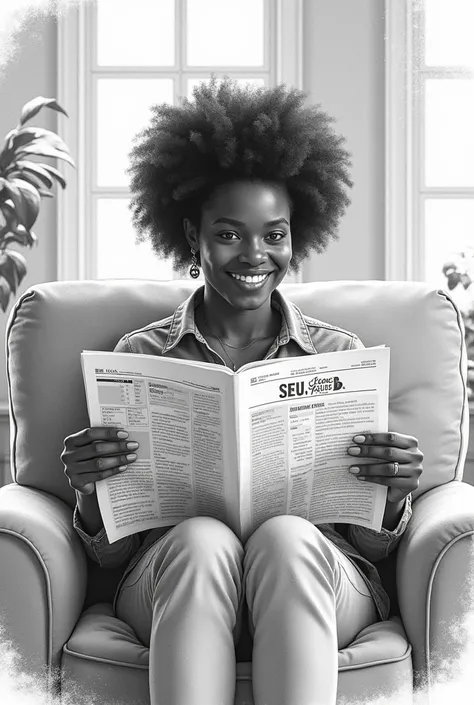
293	325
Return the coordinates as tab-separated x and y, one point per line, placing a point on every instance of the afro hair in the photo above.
229	133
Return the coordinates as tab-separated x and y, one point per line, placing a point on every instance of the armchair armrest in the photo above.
435	567
43	576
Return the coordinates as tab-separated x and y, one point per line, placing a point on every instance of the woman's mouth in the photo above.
249	282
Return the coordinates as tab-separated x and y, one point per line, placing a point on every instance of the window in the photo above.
429	136
108	78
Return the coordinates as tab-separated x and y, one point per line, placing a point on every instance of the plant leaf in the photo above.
12	268
25	167
27	135
6	154
32	179
14	194
32	201
46	151
4	293
33	107
9	213
54	172
23	237
19	237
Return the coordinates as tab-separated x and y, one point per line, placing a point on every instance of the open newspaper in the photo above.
241	446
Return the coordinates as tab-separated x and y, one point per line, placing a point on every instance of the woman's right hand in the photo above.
94	454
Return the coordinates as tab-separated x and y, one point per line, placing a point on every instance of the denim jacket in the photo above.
177	336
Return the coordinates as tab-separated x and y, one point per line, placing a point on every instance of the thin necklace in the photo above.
235	347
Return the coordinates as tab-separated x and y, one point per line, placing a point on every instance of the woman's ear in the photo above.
190	234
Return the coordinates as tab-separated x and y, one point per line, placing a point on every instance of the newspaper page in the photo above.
187	459
296	421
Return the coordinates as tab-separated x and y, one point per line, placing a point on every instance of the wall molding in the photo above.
398	141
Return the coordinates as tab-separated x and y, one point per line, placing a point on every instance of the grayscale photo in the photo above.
237	368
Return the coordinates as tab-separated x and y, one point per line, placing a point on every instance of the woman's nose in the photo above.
253	253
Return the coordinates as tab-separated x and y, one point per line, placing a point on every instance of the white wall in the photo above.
32	73
343	70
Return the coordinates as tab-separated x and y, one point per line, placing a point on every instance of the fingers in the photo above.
103	467
404	478
102	448
389	438
96	433
83	476
399	483
94	454
387	453
380	469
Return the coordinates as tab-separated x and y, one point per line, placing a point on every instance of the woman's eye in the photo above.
275	236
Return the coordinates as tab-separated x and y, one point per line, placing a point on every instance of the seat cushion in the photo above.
104	657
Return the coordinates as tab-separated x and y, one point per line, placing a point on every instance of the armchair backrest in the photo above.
52	323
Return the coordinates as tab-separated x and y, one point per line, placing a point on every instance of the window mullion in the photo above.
92	77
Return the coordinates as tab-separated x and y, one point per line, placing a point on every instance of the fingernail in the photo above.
131	456
122	434
361	477
354	470
353	450
122	468
132	445
359	439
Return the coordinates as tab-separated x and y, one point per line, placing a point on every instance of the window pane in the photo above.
195	81
448	33
449	230
123	109
449	132
135	33
118	257
225	32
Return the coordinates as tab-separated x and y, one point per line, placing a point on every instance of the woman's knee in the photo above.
206	539
282	534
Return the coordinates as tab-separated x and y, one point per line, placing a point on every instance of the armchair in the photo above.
56	604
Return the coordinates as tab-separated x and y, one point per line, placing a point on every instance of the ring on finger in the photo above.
396	468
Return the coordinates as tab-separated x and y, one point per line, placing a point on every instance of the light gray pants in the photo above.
184	600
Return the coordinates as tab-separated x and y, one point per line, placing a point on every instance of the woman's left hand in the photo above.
402	462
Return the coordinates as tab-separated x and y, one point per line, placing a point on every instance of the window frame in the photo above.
405	191
75	204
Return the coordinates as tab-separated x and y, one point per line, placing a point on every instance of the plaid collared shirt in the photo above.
177	336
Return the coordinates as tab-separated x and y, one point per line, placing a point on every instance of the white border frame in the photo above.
74	204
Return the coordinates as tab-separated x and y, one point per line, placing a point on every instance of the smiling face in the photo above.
245	232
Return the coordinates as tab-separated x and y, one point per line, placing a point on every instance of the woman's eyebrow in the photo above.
238	222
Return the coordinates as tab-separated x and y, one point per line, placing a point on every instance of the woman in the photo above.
243	183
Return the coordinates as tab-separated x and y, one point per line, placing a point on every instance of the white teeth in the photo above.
250	280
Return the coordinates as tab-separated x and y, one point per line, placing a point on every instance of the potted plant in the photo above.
459	273
22	185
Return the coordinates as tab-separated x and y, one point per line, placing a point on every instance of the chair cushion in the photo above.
52	323
104	657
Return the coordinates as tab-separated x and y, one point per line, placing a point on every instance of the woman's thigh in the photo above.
297	545
355	606
199	544
134	604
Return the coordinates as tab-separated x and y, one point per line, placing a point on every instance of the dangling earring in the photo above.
194	269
